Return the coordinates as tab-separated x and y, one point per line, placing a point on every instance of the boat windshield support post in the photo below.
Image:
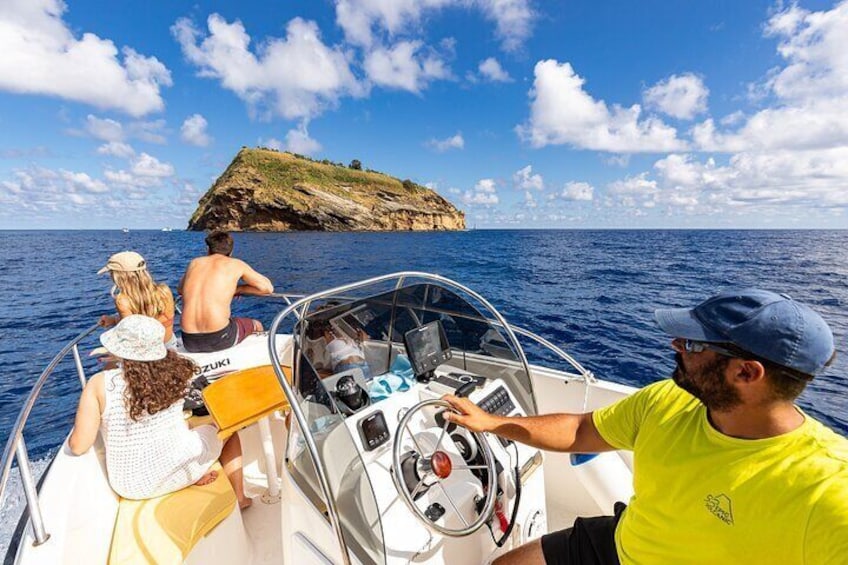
31	494
272	496
78	363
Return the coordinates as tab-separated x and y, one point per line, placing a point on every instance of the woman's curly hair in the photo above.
153	386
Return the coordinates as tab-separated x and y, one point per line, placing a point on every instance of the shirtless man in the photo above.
207	287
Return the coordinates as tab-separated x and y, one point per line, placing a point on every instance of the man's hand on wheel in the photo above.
470	415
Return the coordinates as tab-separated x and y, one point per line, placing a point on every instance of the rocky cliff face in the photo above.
265	190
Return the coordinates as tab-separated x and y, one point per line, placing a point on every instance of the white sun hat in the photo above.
137	338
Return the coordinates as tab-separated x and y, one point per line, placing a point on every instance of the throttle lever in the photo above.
465	390
461	392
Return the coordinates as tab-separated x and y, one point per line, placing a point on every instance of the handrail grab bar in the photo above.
31	493
14	443
587	375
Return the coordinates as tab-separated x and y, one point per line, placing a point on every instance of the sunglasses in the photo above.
692	346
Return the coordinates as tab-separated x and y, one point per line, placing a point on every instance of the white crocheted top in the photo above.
157	454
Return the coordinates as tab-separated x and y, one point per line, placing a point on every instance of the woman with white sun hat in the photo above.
150	451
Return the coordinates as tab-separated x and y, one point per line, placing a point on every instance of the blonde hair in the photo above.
144	295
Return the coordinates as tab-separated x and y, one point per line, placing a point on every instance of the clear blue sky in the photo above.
523	113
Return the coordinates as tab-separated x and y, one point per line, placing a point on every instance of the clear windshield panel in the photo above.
346	348
349	484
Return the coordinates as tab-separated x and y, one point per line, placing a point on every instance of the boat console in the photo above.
428	475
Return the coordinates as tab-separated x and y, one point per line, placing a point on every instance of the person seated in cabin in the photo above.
138	408
342	352
727	468
208	287
135	292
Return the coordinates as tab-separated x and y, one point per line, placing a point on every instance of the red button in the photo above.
441	464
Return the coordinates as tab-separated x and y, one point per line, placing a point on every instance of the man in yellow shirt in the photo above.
726	468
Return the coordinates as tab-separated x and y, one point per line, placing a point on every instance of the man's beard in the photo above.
708	384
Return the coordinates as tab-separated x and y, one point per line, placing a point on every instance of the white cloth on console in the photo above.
340	349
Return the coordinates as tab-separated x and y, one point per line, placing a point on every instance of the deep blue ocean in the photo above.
593	292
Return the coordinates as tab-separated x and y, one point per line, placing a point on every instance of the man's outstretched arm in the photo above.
552	432
254	283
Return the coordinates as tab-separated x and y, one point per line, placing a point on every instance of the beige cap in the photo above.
126	261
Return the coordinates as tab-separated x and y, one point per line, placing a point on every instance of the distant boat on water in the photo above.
126	230
167	229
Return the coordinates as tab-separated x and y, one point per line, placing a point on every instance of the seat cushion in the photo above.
241	398
165	529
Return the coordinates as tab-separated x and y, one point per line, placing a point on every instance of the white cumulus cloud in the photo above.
813	45
193	131
484	193
295	77
491	70
37	191
441	145
109	130
116	149
362	20
104	129
524	179
578	191
83	181
639	185
41	55
148	166
679	96
513	20
809	91
791	153
747	182
299	141
563	113
407	65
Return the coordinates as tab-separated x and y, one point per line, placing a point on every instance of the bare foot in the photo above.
245	504
207	479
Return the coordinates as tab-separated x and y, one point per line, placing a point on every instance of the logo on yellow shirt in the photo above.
719	505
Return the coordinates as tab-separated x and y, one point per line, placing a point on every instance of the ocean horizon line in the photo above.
493	229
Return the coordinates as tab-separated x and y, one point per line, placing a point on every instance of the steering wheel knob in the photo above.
441	465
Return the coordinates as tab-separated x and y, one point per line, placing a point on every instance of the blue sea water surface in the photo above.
593	292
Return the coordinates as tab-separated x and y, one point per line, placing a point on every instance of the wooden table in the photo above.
245	397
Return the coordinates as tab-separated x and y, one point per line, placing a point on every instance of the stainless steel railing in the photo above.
16	447
587	375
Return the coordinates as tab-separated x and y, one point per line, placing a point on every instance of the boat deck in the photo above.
262	520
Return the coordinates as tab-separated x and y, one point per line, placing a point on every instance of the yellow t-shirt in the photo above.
703	497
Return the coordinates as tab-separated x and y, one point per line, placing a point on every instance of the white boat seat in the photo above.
166	529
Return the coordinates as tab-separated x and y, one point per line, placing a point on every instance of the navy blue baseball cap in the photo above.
768	325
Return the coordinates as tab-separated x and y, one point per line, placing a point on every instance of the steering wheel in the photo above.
435	465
